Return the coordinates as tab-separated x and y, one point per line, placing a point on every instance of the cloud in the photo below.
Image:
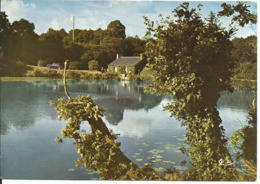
96	14
54	24
16	9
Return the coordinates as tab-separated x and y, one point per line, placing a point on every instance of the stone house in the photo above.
128	64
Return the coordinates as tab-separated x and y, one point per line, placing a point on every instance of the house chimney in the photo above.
117	56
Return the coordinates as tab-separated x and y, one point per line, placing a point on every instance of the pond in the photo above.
29	126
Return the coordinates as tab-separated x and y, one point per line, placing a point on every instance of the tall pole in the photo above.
64	80
73	36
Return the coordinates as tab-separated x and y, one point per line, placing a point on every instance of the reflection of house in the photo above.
54	66
129	64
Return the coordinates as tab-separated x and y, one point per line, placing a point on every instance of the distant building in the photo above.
54	66
127	64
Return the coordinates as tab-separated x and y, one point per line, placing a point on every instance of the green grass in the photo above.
7	79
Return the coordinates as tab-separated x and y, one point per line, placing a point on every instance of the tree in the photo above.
116	29
52	45
5	30
240	13
133	46
248	134
24	41
73	51
93	65
189	60
245	49
5	35
75	65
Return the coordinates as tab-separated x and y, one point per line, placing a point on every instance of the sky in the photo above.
57	14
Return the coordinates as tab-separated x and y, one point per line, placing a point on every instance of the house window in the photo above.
115	69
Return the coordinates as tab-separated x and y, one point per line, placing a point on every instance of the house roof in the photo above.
126	61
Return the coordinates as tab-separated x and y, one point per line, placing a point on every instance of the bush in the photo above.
111	76
93	65
75	65
84	65
43	73
73	75
42	62
13	68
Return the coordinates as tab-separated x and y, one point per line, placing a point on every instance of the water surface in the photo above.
29	126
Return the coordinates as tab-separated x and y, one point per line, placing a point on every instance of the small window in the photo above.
115	69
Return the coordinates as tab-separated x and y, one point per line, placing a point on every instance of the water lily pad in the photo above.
181	139
134	156
145	144
156	160
159	169
167	147
172	145
136	143
178	151
166	161
147	164
158	156
156	151
139	159
140	149
137	153
180	167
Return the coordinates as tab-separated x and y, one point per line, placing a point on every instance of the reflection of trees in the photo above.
22	103
98	150
116	96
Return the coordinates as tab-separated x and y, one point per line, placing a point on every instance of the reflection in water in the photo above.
98	150
29	125
240	99
27	100
21	104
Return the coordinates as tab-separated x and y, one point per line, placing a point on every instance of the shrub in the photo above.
43	73
42	62
75	65
84	65
14	68
93	65
111	76
73	75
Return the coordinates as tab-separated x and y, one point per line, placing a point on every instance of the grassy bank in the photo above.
244	76
71	74
14	79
